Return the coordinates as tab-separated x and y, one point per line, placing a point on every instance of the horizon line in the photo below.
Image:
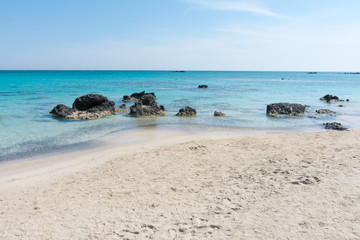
178	70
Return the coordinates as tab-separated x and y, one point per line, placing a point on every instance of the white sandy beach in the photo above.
272	186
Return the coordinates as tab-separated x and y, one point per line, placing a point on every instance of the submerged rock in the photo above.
186	112
334	126
123	106
325	111
202	86
146	106
330	98
89	106
219	114
285	109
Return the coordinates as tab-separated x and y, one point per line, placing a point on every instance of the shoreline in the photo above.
302	185
115	145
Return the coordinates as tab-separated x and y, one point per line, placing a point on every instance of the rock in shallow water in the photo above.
186	112
89	106
330	98
62	111
135	96
146	106
89	101
285	109
325	111
219	114
334	126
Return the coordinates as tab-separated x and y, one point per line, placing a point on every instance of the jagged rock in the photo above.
325	111
89	101
334	126
62	111
146	106
89	106
123	106
162	107
285	109
135	96
186	112
219	114
330	98
202	86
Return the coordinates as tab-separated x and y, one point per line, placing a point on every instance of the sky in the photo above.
239	35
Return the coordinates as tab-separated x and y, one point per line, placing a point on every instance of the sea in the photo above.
27	97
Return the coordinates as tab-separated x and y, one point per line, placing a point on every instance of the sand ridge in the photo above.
288	186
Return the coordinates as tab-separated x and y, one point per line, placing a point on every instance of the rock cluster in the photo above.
334	126
186	112
285	109
146	106
89	106
202	86
135	96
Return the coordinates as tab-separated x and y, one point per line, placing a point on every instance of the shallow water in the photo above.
26	97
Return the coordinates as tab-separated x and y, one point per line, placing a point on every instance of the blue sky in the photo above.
263	35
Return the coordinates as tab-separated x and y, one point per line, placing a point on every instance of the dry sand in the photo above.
275	186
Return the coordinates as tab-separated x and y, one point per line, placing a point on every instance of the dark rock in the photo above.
202	86
330	98
334	126
162	108
146	106
127	98
89	106
103	107
186	112
312	73
325	111
140	94
347	100
135	96
285	109
340	105
62	111
219	114
123	106
89	101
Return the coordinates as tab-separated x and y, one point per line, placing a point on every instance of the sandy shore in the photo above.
274	186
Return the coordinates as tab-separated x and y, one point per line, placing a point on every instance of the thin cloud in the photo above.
239	6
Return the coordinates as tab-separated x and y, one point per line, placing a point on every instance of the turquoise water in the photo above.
26	97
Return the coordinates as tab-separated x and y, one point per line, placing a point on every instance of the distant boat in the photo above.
179	71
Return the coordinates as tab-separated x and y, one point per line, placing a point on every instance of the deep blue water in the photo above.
26	97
